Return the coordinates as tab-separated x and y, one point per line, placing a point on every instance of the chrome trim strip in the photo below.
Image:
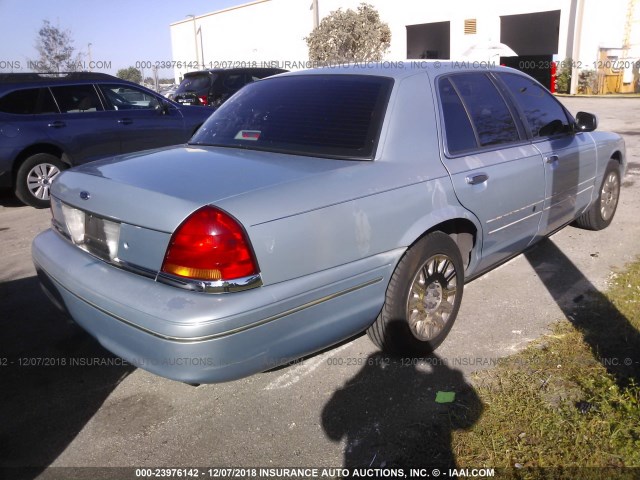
536	213
590	181
133	268
515	211
219	286
120	264
552	205
204	338
57	227
513	223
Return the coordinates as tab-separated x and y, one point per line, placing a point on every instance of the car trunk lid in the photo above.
159	189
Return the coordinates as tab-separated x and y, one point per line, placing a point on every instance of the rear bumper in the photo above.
202	338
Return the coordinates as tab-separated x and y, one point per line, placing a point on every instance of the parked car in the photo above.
318	204
169	92
212	88
49	123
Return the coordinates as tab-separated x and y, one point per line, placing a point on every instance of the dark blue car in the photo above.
49	123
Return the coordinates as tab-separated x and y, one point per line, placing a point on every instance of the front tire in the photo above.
601	213
423	298
34	177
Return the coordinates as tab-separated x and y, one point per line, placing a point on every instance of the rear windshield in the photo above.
336	116
194	83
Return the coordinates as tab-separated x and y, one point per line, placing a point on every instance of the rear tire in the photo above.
423	298
34	177
601	213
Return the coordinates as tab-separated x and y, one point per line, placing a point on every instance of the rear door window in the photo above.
543	112
458	130
492	120
77	98
29	101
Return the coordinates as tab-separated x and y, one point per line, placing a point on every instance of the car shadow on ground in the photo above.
8	199
387	414
54	379
614	342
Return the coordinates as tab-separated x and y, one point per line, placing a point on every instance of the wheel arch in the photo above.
465	235
463	228
35	149
617	155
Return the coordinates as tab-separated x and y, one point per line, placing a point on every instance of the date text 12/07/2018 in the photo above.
597	65
263	473
195	65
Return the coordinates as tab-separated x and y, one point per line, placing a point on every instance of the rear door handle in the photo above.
552	159
476	179
57	124
125	121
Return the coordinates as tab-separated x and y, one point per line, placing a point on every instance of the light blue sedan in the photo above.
317	204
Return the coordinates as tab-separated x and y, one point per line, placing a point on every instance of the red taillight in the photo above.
210	245
203	99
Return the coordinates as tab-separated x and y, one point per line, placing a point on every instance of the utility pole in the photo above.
577	36
632	22
201	46
195	36
316	14
89	54
155	77
628	27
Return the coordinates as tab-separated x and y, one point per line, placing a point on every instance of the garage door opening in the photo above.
534	37
429	41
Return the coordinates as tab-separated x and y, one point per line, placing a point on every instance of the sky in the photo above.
121	32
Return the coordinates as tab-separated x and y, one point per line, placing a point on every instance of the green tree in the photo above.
588	82
350	36
56	51
132	74
563	76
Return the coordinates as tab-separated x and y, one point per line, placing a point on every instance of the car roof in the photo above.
237	69
403	68
54	77
10	82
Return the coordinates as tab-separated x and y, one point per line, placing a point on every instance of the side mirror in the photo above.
162	107
586	122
